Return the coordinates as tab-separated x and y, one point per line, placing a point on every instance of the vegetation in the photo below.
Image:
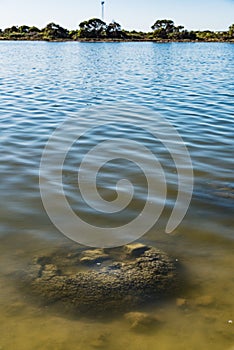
166	29
54	31
95	29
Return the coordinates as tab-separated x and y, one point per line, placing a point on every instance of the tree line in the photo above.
96	29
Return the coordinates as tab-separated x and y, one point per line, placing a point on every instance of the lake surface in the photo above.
190	85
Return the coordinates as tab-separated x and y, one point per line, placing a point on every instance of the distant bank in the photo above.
95	29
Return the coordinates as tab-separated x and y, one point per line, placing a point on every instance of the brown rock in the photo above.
135	250
119	285
95	256
181	303
141	321
49	271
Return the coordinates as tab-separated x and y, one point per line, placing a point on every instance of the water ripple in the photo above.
42	84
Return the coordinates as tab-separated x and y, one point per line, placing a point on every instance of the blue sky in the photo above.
131	14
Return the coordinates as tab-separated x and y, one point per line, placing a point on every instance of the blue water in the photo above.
190	84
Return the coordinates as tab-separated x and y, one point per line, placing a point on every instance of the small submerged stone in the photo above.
95	256
141	321
135	250
49	271
182	303
113	280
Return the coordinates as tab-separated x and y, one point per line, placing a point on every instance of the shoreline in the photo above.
164	41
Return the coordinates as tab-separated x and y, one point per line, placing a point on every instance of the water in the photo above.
189	84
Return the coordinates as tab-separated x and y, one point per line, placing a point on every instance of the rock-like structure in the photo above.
103	280
141	321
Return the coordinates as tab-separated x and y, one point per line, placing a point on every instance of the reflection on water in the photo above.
192	86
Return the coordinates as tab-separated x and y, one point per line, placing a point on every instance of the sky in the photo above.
131	14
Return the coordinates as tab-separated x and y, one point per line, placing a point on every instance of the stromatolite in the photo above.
103	280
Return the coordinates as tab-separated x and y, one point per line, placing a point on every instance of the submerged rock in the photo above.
122	279
141	321
135	250
94	256
182	303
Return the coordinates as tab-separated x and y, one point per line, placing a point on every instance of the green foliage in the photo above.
134	35
208	35
21	33
17	36
163	28
231	31
74	34
166	29
54	32
34	29
114	30
11	30
24	29
93	28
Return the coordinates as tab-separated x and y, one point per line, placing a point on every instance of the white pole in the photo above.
103	3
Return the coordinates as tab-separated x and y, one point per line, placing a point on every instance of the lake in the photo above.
191	86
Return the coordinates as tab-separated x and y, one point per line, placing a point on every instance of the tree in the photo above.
93	28
54	31
166	29
207	35
11	30
163	27
136	36
185	34
231	31
114	30
24	29
74	34
176	33
34	30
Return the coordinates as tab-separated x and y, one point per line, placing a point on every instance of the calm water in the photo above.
191	85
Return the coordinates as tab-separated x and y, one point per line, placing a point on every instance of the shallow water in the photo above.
191	85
